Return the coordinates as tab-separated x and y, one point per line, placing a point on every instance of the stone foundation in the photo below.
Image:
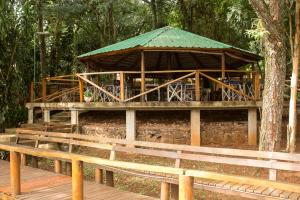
170	127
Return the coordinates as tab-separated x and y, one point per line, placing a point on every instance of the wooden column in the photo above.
81	90
44	89
195	128
130	125
174	191
99	175
142	75
223	66
23	159
165	191
46	116
15	175
256	85
122	86
186	190
272	174
77	180
30	119
31	91
110	178
57	166
252	126
197	86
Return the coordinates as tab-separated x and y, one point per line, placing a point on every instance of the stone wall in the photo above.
170	127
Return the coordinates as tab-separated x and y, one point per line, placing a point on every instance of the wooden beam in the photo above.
165	191
195	128
142	75
186	187
197	86
130	125
77	180
81	90
252	126
57	166
122	86
256	85
99	175
223	63
15	175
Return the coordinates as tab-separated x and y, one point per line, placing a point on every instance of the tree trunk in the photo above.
41	38
154	12
271	13
291	129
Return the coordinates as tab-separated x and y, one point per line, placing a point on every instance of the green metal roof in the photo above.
163	38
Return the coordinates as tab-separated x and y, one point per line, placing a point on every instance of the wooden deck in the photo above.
41	184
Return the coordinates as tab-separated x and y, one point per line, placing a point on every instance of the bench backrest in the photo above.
258	159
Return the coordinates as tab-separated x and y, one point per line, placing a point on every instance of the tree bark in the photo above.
41	38
271	14
292	126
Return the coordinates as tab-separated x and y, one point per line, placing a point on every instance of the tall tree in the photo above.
40	18
272	16
295	50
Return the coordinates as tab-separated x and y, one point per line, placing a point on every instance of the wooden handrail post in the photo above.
23	159
99	175
197	86
57	166
77	180
44	89
186	190
165	191
31	91
122	86
15	179
81	90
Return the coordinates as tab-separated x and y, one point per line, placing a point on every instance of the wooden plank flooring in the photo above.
41	184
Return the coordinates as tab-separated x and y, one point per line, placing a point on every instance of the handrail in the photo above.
150	168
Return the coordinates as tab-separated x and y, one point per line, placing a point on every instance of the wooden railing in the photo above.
272	161
176	84
181	76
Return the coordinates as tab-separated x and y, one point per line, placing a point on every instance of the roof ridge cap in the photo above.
166	28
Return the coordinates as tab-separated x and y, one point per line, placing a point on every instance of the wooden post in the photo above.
44	89
256	85
30	119
77	180
46	116
15	178
174	191
81	90
122	86
99	175
252	126
142	75
130	125
195	128
272	174
186	190
223	63
23	159
57	166
110	178
74	117
197	86
31	91
165	191
34	162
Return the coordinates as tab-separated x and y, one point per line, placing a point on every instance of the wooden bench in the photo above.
236	184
